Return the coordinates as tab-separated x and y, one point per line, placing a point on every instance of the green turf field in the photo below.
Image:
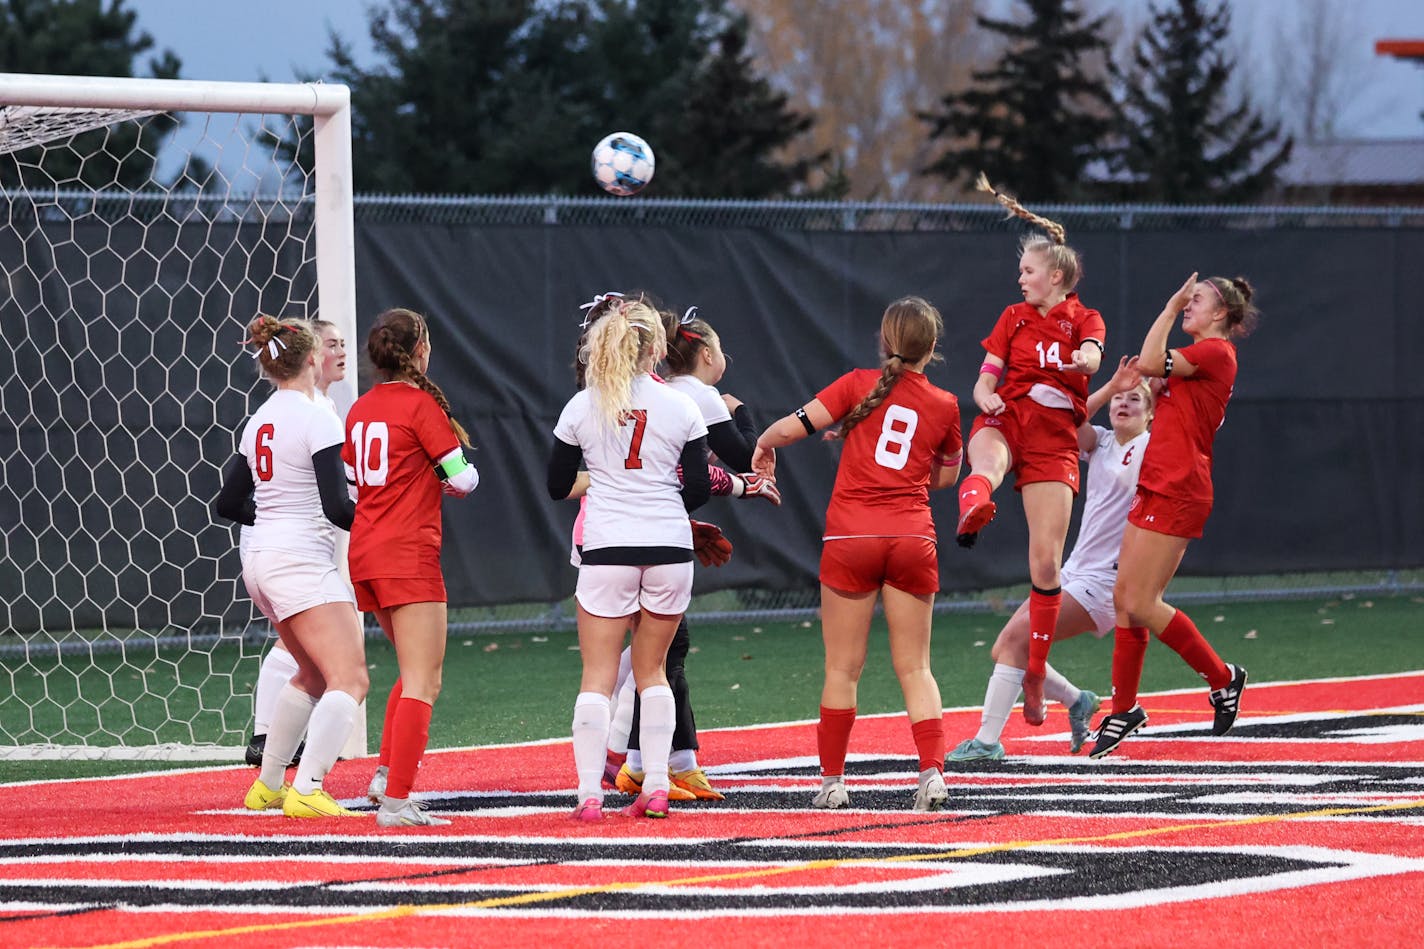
516	687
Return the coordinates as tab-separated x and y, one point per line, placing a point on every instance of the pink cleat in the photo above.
590	810
654	804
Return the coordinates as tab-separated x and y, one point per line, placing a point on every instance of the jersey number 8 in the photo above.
893	449
373	460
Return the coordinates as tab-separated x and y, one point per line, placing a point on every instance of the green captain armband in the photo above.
452	464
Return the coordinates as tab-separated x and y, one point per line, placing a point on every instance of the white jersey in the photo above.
707	398
278	443
244	532
1111	484
634	495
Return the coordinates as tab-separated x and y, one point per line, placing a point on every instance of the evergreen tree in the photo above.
83	38
1040	116
507	98
1183	143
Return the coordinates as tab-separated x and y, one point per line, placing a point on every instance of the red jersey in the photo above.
882	485
1035	348
394	433
1189	410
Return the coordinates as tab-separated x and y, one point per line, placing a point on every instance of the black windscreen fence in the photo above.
1319	465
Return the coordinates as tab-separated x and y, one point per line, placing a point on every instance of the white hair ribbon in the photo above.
591	304
272	345
688	317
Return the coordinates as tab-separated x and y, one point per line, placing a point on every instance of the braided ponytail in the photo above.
908	332
1054	248
391	347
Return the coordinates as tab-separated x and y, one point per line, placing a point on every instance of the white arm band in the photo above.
351	482
461	475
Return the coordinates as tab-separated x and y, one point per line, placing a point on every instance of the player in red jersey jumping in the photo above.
395	436
902	439
1174	497
1032	395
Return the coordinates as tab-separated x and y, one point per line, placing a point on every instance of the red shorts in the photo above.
1043	442
383	593
863	564
1163	515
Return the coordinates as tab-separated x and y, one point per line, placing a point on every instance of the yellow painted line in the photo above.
550	896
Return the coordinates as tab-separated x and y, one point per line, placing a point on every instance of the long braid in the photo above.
909	331
1054	229
391	347
890	372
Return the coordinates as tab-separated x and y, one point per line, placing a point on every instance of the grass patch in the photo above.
519	687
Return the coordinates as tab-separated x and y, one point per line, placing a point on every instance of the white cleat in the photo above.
407	813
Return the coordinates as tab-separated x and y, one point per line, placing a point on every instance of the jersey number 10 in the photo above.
371	441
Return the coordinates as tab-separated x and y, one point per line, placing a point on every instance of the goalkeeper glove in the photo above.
709	544
758	486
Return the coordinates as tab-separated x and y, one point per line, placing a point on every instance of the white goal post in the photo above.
146	223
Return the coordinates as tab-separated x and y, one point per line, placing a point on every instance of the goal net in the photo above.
146	223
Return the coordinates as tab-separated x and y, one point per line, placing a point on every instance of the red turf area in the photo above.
1305	826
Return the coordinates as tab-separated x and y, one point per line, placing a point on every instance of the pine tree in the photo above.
84	39
474	97
1183	143
1041	116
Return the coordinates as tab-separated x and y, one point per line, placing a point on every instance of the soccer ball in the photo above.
622	164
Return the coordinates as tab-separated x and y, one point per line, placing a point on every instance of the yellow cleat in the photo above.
695	783
316	804
260	797
631	782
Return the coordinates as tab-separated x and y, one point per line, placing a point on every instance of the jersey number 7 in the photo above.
639	418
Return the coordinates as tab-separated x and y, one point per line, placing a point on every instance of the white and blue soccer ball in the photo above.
622	164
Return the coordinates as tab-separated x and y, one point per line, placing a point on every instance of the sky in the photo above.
277	39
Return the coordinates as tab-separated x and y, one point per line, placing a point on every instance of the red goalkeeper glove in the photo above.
709	544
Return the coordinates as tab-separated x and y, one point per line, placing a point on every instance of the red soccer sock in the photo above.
1183	638
411	731
929	742
388	724
973	490
833	738
1129	649
1043	606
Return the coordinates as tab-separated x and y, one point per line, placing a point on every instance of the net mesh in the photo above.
135	254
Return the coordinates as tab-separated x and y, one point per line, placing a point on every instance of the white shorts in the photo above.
1094	593
282	585
611	590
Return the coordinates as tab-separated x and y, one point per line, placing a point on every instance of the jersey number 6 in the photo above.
373	461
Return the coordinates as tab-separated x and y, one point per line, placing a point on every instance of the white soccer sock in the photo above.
635	760
655	728
331	722
277	670
1058	689
621	716
683	760
590	730
289	723
999	697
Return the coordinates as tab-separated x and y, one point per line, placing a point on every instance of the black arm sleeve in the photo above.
696	483
731	443
234	501
336	501
564	461
746	424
